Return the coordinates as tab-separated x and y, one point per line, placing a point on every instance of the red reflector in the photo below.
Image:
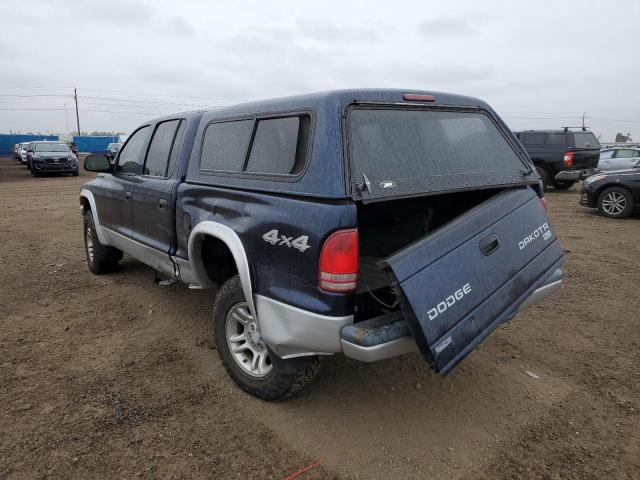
543	201
414	97
568	159
338	270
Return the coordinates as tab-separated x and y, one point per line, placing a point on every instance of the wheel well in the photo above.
84	202
217	260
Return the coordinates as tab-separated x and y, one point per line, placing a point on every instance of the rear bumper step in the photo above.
575	174
388	336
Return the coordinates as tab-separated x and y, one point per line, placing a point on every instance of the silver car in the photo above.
621	158
22	152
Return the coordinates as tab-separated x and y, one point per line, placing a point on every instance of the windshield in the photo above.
586	140
51	147
405	151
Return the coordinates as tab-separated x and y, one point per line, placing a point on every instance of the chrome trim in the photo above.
196	270
540	294
156	259
88	194
292	332
394	348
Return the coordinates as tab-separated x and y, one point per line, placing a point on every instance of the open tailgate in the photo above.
458	284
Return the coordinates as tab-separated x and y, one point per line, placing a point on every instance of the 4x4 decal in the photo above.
276	238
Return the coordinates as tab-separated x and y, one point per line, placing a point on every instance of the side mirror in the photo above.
97	163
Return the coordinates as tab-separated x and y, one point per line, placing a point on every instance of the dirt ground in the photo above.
114	376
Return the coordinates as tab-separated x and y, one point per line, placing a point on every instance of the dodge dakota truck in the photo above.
369	223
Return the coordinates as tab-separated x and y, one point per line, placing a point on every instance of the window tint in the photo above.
176	148
624	153
131	155
534	138
636	153
160	148
439	149
225	145
556	139
586	140
274	146
606	154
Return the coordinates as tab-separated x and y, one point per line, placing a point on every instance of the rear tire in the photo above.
100	258
615	202
240	348
563	184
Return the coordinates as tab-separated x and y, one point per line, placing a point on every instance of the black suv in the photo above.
364	222
562	157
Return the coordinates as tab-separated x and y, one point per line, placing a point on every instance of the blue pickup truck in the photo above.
369	223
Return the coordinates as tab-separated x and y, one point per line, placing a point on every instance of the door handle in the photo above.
127	196
162	204
489	245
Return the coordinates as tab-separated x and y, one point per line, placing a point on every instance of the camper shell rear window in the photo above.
397	151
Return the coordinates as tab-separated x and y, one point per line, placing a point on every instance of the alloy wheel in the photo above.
614	203
245	343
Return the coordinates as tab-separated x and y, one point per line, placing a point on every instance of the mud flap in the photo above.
458	284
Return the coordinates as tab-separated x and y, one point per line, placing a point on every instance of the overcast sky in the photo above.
539	64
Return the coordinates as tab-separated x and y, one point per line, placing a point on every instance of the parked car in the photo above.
15	150
365	222
562	157
616	194
22	152
618	159
51	157
112	150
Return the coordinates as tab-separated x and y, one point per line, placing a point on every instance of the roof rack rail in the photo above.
582	127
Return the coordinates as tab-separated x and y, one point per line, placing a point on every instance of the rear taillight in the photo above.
338	270
543	201
568	159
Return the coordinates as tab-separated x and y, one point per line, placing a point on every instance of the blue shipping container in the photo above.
89	144
7	141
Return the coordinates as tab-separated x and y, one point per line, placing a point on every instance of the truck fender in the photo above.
88	195
233	242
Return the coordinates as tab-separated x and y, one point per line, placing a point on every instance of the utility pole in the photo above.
66	116
75	97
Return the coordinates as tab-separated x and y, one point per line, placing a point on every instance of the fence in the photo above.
92	144
7	141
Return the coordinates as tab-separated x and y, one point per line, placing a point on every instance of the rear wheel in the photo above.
100	258
563	184
615	202
247	359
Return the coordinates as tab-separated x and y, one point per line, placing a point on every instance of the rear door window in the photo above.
177	143
556	139
160	149
534	138
624	153
274	146
225	146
